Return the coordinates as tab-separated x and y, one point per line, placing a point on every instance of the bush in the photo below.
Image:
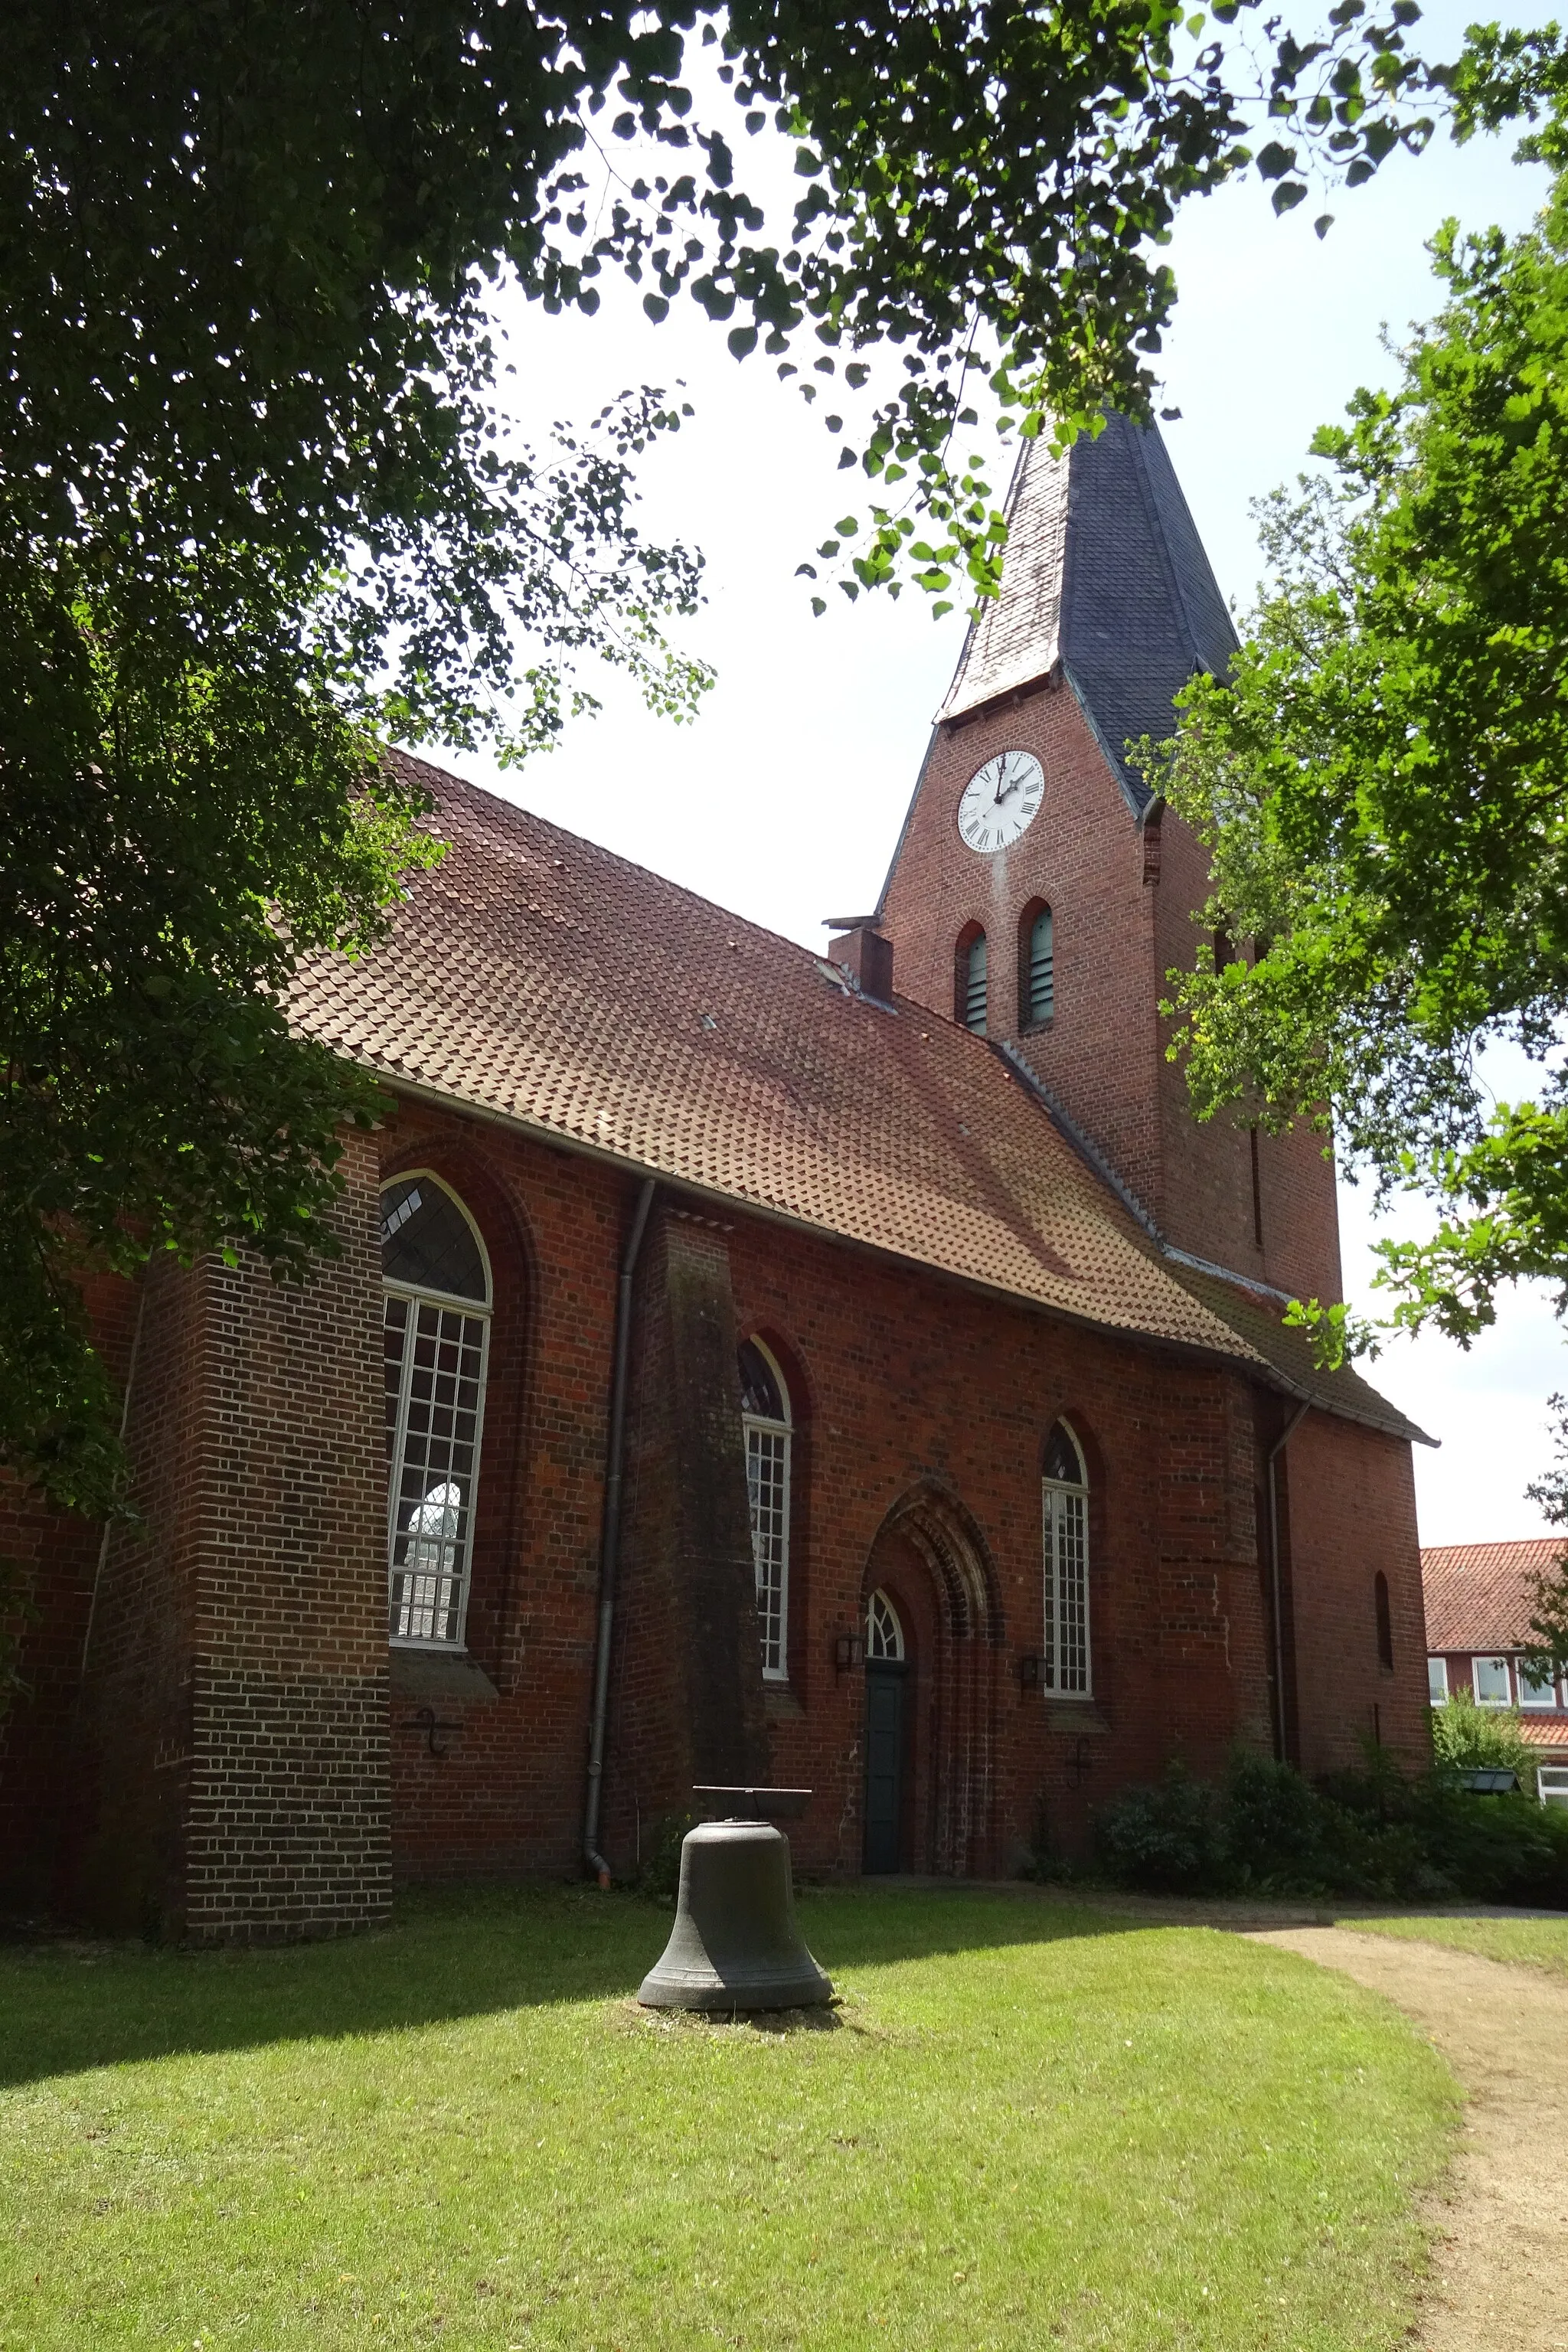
1466	1738
1377	1832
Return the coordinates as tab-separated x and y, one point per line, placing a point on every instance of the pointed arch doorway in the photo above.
886	1729
932	1631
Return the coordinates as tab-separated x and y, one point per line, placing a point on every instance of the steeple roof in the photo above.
1106	578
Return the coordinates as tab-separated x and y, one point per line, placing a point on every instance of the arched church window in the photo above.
969	981
765	1423
1065	1494
884	1634
1037	966
435	1323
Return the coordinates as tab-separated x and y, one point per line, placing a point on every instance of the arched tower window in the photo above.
437	1315
969	979
1037	966
1385	1621
1065	1492
884	1634
766	1421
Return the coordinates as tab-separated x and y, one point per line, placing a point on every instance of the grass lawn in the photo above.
1025	2127
1531	1943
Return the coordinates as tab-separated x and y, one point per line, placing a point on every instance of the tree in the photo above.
260	510
1380	781
1469	1738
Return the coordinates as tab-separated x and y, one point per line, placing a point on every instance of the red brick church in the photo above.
850	1369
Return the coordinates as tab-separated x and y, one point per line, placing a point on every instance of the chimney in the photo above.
869	957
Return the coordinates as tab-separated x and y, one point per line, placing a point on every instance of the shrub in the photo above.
1377	1832
1467	1738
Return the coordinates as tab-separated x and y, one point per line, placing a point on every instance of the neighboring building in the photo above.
1477	1617
968	1473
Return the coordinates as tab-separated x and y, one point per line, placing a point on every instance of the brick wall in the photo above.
1121	909
232	1737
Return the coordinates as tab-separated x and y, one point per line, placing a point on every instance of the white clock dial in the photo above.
1000	800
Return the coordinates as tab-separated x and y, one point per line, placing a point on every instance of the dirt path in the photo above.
1500	2265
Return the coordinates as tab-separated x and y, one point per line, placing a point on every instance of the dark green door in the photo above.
884	1764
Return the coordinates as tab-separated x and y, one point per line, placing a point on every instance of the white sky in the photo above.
784	799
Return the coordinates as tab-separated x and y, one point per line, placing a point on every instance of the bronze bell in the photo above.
735	1943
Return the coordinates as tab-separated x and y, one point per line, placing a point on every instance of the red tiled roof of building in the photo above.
1476	1593
535	978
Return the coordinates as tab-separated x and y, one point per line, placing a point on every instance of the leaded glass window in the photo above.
1065	1500
765	1423
436	1339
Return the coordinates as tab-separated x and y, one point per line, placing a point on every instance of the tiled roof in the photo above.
1105	573
538	979
1476	1593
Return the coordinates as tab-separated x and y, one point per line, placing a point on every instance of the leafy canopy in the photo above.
261	512
1381	782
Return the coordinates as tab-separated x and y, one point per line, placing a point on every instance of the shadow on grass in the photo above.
65	2007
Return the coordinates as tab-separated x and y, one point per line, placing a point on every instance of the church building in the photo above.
852	1371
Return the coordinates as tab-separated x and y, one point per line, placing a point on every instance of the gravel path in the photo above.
1500	2263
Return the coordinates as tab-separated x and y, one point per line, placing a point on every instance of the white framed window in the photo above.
1531	1693
1552	1783
884	1634
436	1282
765	1423
1065	1664
1438	1681
1489	1682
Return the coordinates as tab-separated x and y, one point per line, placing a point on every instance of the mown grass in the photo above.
1529	1943
1025	2127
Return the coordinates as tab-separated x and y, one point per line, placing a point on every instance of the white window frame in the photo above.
875	1633
1537	1702
773	1438
1495	1658
1062	1506
1552	1783
444	1302
1436	1681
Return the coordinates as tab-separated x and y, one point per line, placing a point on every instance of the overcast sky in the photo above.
784	799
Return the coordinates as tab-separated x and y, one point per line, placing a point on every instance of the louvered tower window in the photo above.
1065	1500
765	1424
971	1009
436	1318
1037	966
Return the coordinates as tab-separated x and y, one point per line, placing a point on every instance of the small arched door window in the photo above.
1065	1497
1037	966
884	1634
765	1423
970	982
435	1323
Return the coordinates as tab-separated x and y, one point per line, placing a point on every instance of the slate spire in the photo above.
1106	577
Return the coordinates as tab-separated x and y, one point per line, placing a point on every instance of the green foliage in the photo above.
1380	783
1547	1655
1378	1832
659	1876
1466	1738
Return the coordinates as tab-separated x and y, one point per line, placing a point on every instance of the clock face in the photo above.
1000	800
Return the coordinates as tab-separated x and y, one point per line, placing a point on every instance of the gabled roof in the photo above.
1476	1593
535	979
1105	575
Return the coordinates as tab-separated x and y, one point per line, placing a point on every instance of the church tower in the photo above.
1039	893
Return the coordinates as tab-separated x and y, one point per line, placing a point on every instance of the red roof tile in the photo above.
540	979
1476	1593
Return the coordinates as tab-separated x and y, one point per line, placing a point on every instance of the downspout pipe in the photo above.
1275	1451
610	1545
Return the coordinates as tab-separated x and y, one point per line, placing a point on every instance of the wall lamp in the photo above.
1028	1671
849	1651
